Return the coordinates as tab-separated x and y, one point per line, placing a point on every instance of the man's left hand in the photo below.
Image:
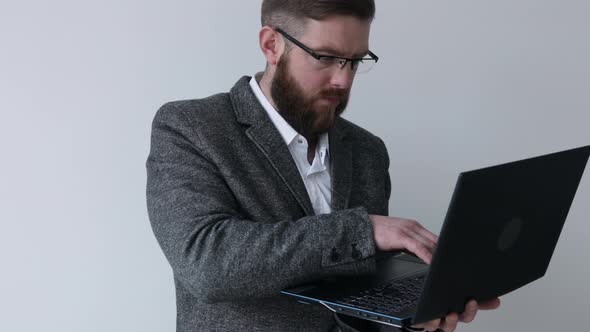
449	323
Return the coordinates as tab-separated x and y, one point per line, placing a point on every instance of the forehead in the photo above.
341	35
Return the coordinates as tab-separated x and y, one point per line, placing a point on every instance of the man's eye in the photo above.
327	60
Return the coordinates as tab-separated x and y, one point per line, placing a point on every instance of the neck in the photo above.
264	81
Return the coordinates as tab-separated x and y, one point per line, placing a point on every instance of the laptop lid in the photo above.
500	231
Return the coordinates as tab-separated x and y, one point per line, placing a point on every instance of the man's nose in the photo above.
342	77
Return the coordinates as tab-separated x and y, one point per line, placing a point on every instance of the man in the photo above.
265	187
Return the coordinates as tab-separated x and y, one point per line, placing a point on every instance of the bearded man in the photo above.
266	186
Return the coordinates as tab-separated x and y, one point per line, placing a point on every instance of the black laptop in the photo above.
499	234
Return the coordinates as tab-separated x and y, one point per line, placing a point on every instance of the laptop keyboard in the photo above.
389	298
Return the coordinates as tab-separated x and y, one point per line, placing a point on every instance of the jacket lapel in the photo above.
341	166
267	138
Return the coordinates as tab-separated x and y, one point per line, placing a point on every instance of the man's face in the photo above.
311	99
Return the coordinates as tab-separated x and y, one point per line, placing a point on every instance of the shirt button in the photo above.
299	141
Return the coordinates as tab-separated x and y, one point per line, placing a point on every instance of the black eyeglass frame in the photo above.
353	61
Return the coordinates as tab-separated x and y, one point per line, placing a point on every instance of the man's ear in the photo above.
271	44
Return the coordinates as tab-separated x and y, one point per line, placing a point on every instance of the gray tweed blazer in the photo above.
232	215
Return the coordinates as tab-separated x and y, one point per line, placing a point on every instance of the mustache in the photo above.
334	93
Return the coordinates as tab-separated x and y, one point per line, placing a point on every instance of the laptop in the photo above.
499	234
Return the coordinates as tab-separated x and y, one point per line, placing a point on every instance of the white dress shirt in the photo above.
316	177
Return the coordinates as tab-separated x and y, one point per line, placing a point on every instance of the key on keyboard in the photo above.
391	297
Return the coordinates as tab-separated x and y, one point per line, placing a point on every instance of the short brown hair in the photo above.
290	15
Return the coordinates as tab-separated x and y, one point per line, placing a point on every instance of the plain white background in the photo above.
460	85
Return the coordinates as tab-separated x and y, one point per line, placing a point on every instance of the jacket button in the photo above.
356	254
335	256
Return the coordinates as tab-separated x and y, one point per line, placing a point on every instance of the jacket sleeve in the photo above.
220	256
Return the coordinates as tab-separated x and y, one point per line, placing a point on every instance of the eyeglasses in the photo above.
357	65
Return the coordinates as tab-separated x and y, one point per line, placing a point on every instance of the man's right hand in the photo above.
392	233
402	234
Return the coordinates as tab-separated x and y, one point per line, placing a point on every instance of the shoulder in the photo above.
213	112
215	108
195	121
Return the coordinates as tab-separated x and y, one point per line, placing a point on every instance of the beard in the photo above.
298	109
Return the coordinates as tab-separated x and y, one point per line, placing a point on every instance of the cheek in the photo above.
309	81
313	85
